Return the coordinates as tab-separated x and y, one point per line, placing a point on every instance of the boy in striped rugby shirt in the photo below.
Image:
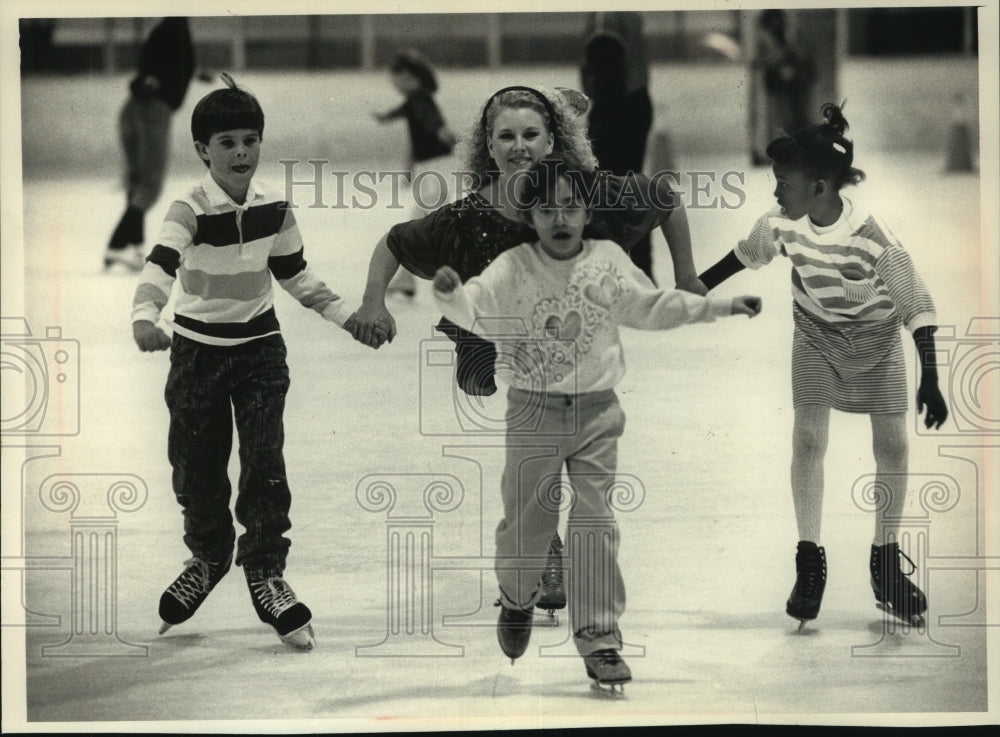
854	287
221	243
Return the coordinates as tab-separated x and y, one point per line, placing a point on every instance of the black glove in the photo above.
930	396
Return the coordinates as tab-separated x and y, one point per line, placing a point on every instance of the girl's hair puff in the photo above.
821	150
224	110
568	131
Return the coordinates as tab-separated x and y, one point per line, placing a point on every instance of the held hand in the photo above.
149	337
692	284
930	396
372	324
750	306
446	280
380	331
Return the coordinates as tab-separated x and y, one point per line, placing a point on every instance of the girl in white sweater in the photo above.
562	299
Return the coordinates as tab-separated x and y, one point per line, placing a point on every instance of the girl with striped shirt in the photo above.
853	287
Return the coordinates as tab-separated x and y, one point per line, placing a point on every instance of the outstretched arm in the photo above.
928	393
678	235
381	268
721	270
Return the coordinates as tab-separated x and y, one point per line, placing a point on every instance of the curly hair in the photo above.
569	132
821	149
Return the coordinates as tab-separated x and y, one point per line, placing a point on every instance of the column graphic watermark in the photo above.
41	378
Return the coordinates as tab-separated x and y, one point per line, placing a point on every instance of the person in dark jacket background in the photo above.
166	65
615	75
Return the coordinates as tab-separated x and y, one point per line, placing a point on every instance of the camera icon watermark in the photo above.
533	364
969	377
40	379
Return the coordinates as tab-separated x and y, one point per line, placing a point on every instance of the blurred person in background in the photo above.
615	75
431	142
166	65
782	79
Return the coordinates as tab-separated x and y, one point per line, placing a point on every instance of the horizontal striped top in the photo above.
222	256
852	271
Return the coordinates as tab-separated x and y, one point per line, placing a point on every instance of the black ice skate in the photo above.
609	672
810	581
553	594
894	592
183	597
513	631
277	606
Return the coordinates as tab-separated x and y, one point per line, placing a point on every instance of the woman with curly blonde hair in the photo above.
518	126
567	128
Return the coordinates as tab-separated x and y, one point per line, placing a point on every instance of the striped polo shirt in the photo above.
852	271
222	256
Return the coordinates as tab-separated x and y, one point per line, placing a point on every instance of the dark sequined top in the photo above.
469	233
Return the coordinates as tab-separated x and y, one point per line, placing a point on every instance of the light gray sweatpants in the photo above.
545	434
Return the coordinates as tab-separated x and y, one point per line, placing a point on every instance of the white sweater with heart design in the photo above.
555	322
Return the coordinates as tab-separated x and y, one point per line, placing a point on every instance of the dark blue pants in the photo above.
206	387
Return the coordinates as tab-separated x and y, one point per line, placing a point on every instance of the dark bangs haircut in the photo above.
224	110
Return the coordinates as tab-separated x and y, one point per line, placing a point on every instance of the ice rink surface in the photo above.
379	448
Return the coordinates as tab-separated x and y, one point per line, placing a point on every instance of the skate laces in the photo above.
274	594
553	577
811	575
192	583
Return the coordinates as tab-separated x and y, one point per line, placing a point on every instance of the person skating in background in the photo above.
431	143
221	244
782	79
615	75
166	66
568	296
854	287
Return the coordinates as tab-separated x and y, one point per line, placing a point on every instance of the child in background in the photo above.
570	294
853	287
430	142
221	244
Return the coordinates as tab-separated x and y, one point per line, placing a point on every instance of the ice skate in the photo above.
810	581
183	597
276	605
894	592
131	258
609	672
553	594
513	630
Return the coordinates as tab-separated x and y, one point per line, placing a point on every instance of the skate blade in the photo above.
916	620
544	619
164	626
609	690
301	639
803	623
